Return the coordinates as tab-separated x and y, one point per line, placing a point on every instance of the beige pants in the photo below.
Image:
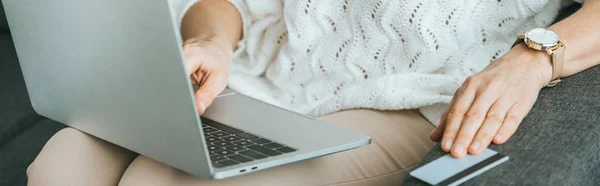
399	141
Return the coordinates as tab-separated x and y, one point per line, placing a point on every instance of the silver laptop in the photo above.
114	69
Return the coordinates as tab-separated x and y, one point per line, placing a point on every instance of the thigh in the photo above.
72	157
400	139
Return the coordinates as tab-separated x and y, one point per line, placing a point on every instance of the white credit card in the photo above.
448	170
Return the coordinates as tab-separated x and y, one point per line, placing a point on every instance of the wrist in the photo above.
222	42
222	45
539	62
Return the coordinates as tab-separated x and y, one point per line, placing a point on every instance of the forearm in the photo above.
214	20
581	34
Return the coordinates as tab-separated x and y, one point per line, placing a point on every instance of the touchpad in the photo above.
226	92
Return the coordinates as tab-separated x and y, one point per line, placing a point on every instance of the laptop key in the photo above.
222	127
213	148
220	134
211	139
217	158
286	150
227	162
264	150
244	143
239	158
217	165
231	138
223	144
209	130
247	136
235	148
224	152
216	141
273	145
260	141
252	154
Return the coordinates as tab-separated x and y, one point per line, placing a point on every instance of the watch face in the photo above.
542	36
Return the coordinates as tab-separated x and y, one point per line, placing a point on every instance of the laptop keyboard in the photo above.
229	146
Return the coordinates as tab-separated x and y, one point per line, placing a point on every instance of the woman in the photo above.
321	57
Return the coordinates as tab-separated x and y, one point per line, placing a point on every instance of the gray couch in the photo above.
23	133
3	23
558	143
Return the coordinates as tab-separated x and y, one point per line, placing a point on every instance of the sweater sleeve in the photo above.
262	19
179	8
256	49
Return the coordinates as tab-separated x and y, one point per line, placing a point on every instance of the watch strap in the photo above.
519	40
558	56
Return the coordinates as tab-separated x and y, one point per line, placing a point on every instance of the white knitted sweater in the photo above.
321	56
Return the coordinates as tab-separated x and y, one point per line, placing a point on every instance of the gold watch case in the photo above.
554	48
541	47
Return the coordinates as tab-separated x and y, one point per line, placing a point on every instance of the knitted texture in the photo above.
321	56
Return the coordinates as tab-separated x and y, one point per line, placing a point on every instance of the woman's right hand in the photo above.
208	62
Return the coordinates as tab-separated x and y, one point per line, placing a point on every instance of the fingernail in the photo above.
475	145
448	144
499	138
459	148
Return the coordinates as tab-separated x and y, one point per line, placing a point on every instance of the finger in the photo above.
513	118
213	84
464	98
436	135
193	58
490	126
197	77
474	117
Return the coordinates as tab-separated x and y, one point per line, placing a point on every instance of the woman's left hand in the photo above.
491	104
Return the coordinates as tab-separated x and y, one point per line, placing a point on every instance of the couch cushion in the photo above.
3	22
16	113
558	143
17	153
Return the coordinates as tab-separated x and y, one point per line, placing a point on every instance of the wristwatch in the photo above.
545	40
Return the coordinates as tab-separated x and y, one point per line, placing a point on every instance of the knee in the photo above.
45	156
148	172
72	157
67	133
